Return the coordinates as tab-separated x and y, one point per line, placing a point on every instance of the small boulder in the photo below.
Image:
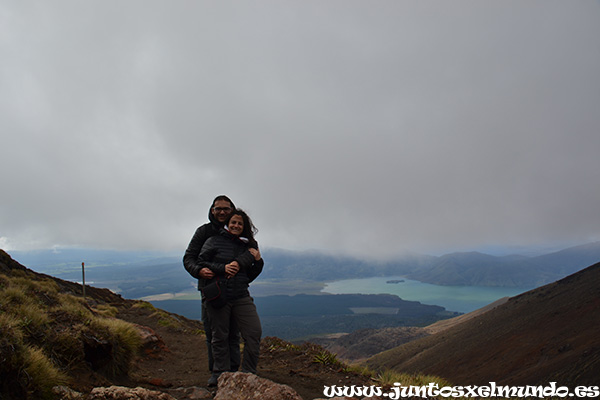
125	393
244	386
66	393
152	344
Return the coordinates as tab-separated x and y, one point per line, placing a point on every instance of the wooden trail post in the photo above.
83	276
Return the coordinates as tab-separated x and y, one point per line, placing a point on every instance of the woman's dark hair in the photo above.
249	229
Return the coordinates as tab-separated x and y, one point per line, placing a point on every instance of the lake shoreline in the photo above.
462	299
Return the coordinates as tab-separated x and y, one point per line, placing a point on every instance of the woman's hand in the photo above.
231	269
255	253
206	273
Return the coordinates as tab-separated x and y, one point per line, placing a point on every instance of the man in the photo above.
219	211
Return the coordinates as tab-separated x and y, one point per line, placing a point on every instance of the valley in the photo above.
298	281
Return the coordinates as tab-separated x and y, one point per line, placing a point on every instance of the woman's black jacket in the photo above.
202	234
221	250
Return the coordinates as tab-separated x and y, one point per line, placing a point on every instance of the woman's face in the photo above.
236	225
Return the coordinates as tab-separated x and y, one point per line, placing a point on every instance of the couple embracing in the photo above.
224	256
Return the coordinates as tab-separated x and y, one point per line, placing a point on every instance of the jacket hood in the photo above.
213	220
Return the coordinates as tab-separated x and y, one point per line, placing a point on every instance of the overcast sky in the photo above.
361	127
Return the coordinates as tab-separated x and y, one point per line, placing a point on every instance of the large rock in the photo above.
125	393
243	386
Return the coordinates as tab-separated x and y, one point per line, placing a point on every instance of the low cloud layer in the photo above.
366	129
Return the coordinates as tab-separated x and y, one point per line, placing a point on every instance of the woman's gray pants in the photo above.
243	311
234	341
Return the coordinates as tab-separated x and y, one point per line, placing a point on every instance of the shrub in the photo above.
327	358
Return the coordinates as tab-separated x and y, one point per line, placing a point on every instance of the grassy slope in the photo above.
547	334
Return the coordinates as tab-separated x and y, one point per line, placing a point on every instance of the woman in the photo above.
218	254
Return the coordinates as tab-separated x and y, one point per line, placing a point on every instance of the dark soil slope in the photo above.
544	335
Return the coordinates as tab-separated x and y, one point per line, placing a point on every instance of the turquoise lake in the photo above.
453	298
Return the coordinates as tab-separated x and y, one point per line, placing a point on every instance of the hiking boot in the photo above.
213	380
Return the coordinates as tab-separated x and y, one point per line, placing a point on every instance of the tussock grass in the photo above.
144	304
65	347
9	326
360	370
46	286
389	377
26	370
276	344
16	302
44	333
4	282
13	296
42	373
106	310
124	339
73	307
166	319
32	317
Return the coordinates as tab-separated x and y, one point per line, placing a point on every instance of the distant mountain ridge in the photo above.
140	274
477	269
454	269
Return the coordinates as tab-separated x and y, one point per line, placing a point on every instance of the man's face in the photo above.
221	210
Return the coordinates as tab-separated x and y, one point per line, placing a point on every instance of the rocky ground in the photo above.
179	359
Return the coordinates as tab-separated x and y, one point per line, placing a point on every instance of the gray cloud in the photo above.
361	128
